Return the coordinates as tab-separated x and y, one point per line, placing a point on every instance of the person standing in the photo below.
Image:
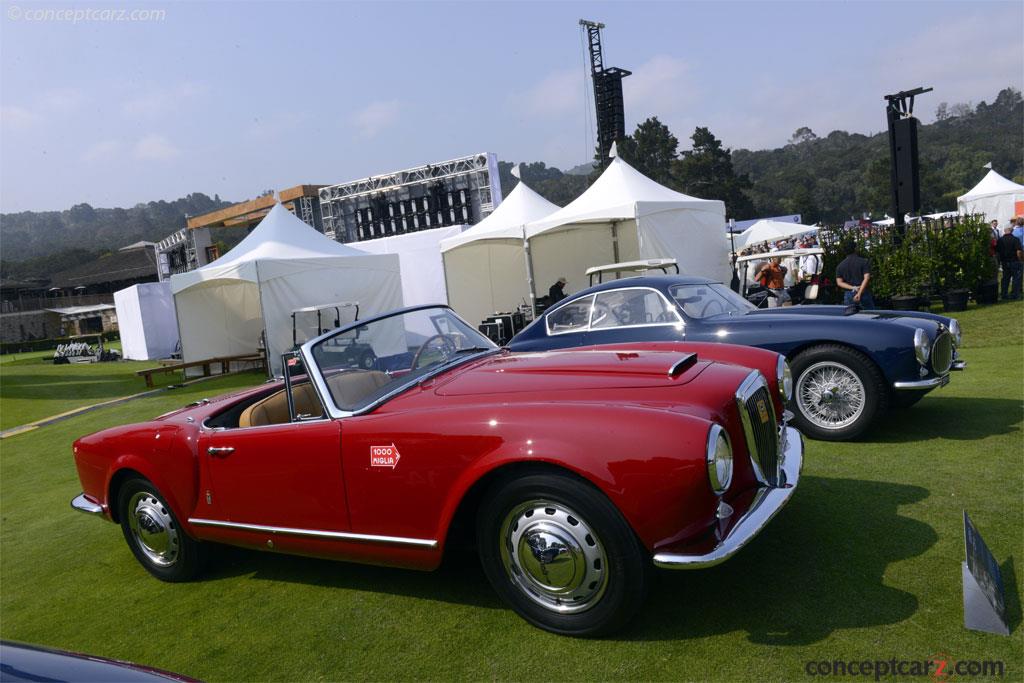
854	275
557	291
810	267
1010	253
1018	227
773	276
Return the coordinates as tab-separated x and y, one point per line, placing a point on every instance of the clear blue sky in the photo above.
236	98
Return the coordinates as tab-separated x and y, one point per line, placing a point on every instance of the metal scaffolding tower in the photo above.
608	104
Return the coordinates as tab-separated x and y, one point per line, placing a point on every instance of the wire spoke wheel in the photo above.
553	557
830	395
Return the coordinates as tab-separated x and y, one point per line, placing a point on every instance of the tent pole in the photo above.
266	331
529	273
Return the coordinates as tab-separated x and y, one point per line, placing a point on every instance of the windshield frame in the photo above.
690	318
319	381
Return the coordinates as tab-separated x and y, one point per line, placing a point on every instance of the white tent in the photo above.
767	230
145	319
995	196
485	267
626	216
282	265
419	254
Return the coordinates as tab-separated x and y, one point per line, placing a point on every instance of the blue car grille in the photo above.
942	353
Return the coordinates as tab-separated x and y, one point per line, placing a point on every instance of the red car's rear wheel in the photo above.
560	553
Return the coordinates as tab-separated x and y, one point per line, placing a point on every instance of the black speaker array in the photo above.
437	207
908	185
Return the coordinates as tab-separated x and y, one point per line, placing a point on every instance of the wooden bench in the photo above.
225	365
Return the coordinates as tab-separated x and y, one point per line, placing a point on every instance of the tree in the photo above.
706	171
942	111
651	149
802	134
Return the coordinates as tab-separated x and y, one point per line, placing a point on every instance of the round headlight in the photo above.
719	457
921	347
785	377
954	329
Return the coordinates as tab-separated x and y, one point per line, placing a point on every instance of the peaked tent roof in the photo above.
280	236
617	195
520	207
991	184
766	230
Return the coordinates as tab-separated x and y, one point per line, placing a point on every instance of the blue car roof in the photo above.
655	281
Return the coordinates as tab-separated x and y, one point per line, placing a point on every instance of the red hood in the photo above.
570	370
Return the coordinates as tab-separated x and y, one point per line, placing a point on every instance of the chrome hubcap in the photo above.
153	529
830	395
553	557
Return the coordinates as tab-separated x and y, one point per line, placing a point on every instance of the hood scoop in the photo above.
682	365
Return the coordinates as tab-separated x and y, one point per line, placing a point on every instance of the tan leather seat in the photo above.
274	408
353	388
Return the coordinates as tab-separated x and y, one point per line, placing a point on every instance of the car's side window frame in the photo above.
574	330
668	304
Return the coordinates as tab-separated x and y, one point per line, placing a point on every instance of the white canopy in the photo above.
283	264
146	322
767	230
625	216
485	267
419	254
995	196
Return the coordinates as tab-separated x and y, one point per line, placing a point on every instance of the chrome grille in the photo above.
942	353
760	427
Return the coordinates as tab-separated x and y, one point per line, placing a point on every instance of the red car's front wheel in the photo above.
154	535
560	553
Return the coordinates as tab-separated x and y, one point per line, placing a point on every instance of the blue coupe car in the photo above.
845	366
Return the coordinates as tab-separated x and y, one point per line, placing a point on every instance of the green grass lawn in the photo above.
32	387
863	564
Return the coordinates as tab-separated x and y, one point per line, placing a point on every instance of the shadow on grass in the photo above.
459	580
817	568
961	419
1011	595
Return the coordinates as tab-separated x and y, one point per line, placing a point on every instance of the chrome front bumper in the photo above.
917	385
766	504
83	504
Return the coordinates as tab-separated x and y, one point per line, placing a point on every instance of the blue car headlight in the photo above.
922	349
954	329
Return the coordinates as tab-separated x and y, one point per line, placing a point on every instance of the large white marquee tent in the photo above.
626	216
767	230
995	196
485	266
419	254
283	264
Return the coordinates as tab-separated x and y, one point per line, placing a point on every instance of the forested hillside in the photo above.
825	178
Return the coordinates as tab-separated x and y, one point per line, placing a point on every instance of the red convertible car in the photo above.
580	471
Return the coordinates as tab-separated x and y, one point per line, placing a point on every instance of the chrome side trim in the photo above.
958	365
766	504
669	306
83	504
316	533
930	383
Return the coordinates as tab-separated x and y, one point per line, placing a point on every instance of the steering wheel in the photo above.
448	348
713	302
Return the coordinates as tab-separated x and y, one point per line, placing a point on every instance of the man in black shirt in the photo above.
1010	253
557	291
853	274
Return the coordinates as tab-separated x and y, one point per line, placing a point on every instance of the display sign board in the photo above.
984	603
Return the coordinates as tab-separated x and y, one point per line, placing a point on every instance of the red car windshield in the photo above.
364	364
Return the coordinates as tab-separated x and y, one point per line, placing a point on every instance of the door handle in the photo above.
219	451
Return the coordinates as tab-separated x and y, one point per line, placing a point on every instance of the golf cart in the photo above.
801	292
597	273
328	317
